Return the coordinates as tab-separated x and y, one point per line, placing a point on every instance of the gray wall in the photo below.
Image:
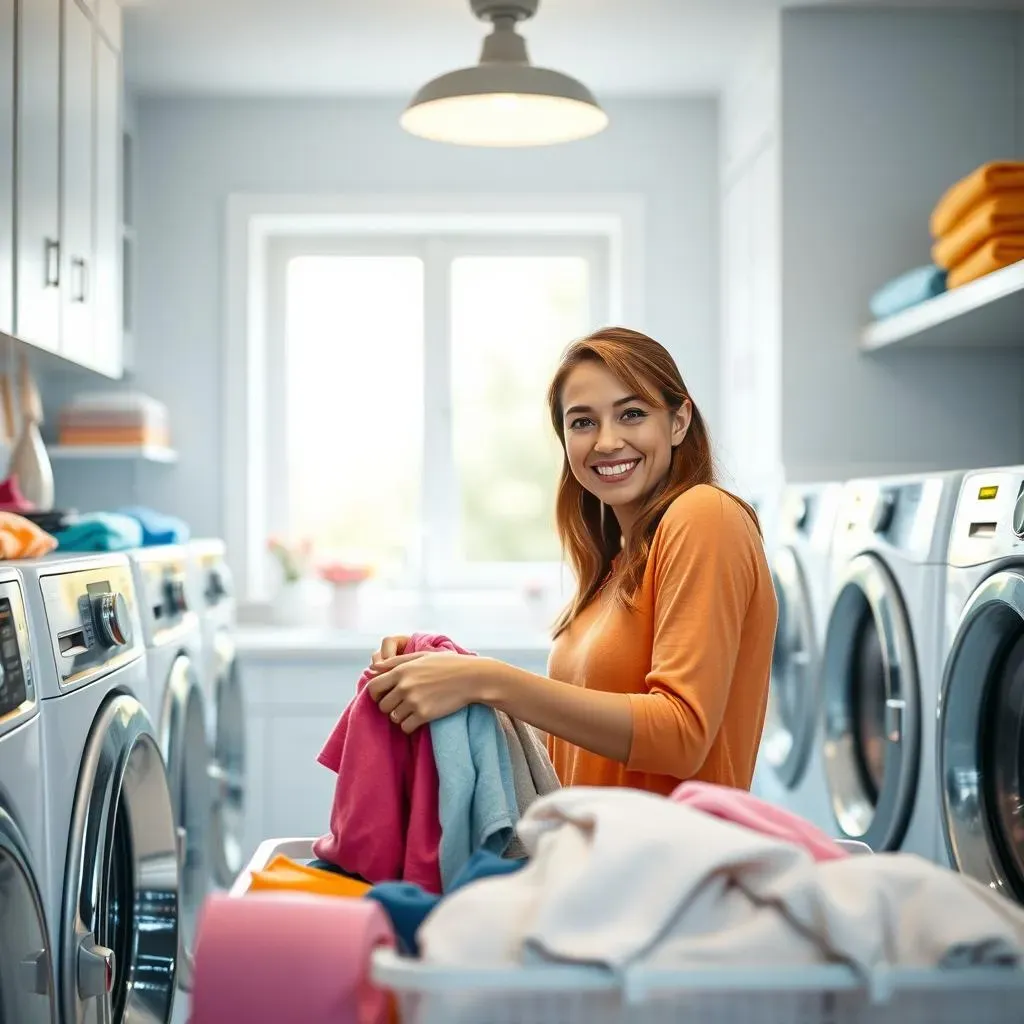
192	154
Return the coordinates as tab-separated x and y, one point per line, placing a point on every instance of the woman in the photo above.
660	665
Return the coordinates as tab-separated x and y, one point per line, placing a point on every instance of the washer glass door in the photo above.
228	768
119	919
872	707
981	736
27	994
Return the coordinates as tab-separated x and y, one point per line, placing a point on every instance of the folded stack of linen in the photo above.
114	418
978	224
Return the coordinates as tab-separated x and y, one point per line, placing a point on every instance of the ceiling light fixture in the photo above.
504	100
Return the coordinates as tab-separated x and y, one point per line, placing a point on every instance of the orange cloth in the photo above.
20	538
283	874
1001	214
960	199
695	656
993	255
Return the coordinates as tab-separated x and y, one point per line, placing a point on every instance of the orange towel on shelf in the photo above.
959	199
20	538
993	255
1001	214
283	874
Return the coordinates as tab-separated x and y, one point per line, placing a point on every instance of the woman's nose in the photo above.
608	439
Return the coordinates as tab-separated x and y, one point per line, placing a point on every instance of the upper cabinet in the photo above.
7	93
67	180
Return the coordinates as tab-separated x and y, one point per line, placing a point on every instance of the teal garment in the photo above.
100	531
476	792
908	290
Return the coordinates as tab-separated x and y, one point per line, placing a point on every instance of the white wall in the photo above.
191	154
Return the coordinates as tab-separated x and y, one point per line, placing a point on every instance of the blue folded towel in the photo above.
908	290
100	531
157	528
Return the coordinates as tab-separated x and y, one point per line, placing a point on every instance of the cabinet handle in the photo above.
52	260
78	267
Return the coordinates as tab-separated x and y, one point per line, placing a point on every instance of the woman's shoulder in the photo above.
705	507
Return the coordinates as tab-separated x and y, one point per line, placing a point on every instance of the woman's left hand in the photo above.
413	689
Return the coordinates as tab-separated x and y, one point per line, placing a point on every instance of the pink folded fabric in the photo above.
11	498
274	957
384	819
745	809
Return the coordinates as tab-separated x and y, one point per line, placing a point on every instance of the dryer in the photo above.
882	659
111	889
27	991
212	593
981	709
170	630
789	770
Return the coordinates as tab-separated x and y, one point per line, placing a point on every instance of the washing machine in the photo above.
981	709
789	770
212	593
882	661
27	991
170	630
111	890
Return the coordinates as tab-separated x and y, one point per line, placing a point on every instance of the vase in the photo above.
345	605
298	603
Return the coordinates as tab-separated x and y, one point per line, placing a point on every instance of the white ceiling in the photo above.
391	47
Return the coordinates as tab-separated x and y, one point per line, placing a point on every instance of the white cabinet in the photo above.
7	93
38	256
107	340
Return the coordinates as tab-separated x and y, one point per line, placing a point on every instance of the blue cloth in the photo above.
908	290
157	528
476	798
100	531
408	905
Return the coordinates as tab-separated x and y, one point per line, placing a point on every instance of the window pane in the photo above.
511	318
354	358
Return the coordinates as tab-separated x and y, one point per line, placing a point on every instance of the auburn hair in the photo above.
590	538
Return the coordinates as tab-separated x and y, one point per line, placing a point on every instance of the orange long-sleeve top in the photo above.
694	656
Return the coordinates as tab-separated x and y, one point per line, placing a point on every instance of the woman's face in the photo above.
619	446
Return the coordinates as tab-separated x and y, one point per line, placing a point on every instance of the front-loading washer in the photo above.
981	707
212	593
790	772
882	659
112	871
27	991
170	629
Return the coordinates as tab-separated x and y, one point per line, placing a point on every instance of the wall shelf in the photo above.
987	313
140	453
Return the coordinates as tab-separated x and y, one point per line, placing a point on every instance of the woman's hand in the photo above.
413	689
390	647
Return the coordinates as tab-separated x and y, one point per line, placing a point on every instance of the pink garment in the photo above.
271	957
11	498
384	820
743	808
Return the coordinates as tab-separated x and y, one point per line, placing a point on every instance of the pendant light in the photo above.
504	100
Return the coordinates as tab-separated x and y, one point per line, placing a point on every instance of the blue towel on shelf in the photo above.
408	904
157	528
100	531
476	792
908	290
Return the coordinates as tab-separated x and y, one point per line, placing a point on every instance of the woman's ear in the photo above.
681	422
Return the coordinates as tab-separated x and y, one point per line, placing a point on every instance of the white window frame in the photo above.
263	231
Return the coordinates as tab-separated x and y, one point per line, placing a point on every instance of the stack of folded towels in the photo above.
978	224
114	418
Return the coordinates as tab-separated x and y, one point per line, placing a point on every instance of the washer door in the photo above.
27	993
187	756
872	707
793	697
981	736
119	927
228	768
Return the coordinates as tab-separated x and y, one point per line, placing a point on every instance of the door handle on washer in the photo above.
894	712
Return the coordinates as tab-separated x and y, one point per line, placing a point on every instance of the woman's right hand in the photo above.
390	647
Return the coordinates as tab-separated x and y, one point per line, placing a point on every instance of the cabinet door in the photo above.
107	211
78	284
38	260
6	166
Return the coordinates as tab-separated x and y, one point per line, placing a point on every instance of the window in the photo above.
408	378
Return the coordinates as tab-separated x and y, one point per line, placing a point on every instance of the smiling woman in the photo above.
660	667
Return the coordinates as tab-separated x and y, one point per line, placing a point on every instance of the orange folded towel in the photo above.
20	538
283	874
1002	214
959	199
995	254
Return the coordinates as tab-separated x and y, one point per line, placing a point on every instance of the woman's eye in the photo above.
580	423
634	414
